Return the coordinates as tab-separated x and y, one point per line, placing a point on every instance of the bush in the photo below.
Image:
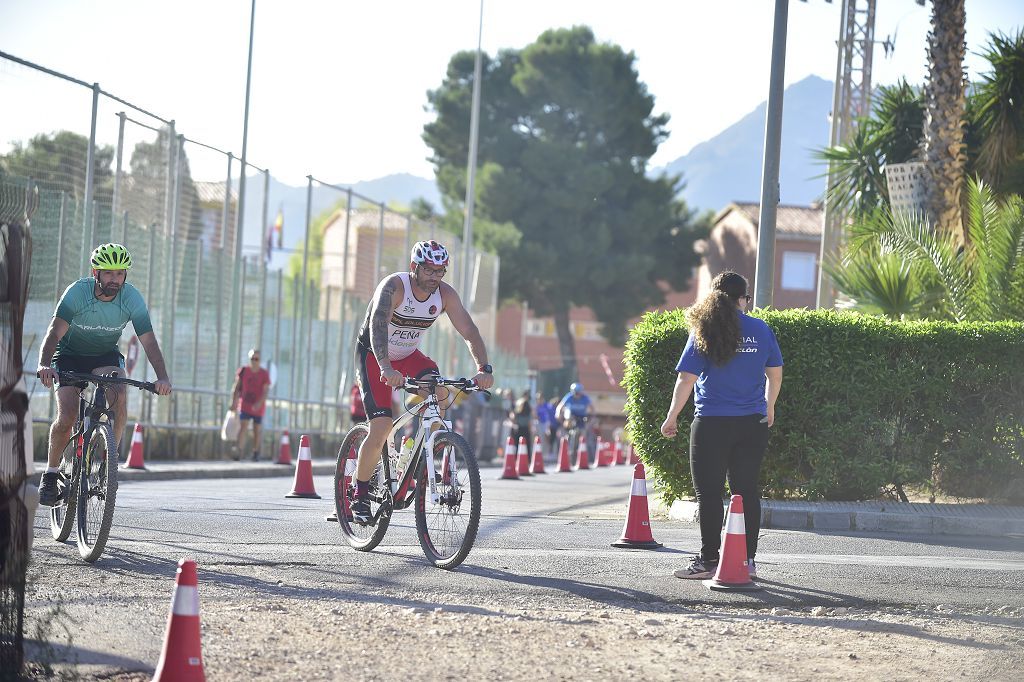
868	406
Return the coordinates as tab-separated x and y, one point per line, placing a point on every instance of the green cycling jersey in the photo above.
95	326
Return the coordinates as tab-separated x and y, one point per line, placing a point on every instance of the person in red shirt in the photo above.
252	383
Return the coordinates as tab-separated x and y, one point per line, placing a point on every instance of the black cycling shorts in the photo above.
86	364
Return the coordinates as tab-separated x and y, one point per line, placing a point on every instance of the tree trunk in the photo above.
945	103
566	343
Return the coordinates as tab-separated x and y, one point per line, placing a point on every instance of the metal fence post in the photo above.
115	205
312	313
220	321
149	285
326	328
60	240
172	280
90	161
195	313
380	247
244	269
343	310
264	256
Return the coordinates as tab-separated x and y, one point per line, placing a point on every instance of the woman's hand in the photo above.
669	429
771	415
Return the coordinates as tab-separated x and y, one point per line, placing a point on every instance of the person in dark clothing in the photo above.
521	416
726	361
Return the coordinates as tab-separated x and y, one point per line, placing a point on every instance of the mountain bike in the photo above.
441	480
87	485
576	429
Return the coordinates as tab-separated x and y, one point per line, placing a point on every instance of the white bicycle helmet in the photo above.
430	253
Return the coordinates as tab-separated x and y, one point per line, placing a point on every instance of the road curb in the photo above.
984	521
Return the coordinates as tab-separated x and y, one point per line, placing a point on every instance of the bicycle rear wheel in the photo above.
62	514
97	492
363	538
447	528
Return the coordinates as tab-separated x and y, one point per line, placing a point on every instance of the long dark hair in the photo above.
713	320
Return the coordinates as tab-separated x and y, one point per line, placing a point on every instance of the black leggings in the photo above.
721	446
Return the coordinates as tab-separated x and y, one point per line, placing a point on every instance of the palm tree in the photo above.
945	107
885	284
981	279
892	134
999	104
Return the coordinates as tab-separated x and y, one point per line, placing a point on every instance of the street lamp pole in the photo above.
764	277
474	127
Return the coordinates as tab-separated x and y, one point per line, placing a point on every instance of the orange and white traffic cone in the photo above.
732	573
538	456
511	466
620	454
523	458
636	533
303	485
182	657
135	457
604	453
564	465
582	458
633	457
284	455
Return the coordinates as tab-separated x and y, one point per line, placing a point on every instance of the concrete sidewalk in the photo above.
880	516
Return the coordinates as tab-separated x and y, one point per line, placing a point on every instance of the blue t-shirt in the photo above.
577	404
736	388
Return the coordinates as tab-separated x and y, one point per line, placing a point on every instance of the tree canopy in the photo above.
566	133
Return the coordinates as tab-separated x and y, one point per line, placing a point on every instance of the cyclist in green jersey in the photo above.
83	336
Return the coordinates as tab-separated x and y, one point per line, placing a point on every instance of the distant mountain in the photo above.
728	166
400	188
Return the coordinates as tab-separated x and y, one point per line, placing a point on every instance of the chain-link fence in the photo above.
108	170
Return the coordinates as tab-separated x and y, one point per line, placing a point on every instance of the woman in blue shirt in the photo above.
725	363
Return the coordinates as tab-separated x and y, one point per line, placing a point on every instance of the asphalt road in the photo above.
544	543
545	537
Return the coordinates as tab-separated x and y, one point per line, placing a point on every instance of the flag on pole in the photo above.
608	370
279	227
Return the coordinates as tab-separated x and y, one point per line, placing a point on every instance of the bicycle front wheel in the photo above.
447	526
97	492
363	538
62	514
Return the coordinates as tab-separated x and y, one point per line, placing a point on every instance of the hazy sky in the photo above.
339	87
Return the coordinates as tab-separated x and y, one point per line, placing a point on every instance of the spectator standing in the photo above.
522	416
356	411
252	384
547	423
725	363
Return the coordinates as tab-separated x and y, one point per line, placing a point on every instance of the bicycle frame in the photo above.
429	414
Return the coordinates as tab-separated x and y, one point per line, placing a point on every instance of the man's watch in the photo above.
486	369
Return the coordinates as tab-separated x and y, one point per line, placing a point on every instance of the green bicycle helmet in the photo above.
111	257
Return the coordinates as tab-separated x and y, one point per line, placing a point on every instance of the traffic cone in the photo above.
523	458
182	657
603	455
564	466
582	458
620	454
303	486
636	533
135	459
284	455
511	466
732	573
538	456
633	457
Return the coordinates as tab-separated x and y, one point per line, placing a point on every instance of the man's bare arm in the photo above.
54	333
389	291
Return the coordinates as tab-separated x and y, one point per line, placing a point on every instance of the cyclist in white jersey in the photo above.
403	307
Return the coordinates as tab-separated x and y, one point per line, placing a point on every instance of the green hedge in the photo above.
868	406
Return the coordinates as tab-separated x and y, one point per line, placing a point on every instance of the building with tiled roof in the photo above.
732	245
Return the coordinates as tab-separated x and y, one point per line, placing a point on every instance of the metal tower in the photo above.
851	99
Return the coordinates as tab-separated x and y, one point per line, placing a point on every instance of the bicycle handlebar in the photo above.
99	380
432	382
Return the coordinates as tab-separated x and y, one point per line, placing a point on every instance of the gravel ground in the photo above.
248	636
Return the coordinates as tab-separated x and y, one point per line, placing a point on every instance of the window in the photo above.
798	271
